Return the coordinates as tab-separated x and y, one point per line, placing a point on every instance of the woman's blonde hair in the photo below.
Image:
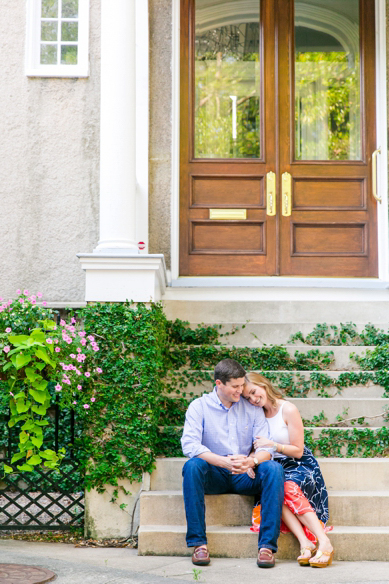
272	393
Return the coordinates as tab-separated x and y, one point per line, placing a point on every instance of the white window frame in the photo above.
33	28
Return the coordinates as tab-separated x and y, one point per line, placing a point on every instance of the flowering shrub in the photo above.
36	353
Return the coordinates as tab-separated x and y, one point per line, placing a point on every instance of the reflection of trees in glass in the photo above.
327	106
227	64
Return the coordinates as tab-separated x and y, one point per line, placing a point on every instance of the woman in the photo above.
306	497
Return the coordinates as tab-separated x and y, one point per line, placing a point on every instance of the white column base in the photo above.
117	276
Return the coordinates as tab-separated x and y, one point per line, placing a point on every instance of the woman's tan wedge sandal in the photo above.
319	554
305	561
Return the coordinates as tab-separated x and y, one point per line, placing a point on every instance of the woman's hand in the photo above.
251	473
262	442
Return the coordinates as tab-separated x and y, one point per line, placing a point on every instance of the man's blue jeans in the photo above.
202	478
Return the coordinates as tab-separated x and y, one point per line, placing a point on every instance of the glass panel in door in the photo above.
327	80
227	79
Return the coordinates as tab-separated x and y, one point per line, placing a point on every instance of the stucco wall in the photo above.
160	126
49	167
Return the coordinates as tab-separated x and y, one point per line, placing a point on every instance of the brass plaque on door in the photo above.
228	214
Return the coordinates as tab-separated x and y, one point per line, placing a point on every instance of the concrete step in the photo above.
340	474
274	311
364	508
351	543
256	334
341	356
305	382
373	410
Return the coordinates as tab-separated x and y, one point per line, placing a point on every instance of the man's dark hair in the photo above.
228	369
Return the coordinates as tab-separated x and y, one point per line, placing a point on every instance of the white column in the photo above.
117	127
115	271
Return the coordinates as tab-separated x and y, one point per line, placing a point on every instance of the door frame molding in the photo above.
382	181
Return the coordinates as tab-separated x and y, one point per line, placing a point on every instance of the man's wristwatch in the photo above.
256	462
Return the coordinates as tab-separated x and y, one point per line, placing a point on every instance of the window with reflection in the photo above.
59	32
327	80
227	79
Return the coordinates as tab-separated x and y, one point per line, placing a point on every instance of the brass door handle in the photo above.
271	194
286	194
374	174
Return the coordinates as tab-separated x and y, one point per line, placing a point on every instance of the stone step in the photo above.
256	334
373	410
340	474
305	382
364	508
274	311
342	361
341	356
351	543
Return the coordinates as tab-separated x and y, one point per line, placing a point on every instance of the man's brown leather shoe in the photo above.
200	556
266	558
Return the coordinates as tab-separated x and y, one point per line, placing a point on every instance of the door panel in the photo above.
283	86
228	137
327	135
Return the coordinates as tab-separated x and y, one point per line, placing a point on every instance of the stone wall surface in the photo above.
49	167
160	21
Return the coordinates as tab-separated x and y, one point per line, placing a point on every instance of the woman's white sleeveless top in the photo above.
279	430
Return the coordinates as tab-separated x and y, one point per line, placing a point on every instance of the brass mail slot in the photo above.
228	214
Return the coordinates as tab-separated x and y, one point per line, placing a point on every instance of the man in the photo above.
219	431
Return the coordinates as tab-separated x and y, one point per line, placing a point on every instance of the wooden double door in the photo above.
277	136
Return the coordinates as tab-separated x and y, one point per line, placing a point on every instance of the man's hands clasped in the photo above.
239	464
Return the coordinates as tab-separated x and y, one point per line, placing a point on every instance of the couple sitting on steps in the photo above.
244	438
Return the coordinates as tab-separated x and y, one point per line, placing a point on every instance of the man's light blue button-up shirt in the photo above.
211	427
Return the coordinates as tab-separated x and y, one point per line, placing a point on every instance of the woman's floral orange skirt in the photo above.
297	503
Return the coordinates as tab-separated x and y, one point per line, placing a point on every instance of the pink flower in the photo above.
39	294
72	355
1	299
78	372
62	322
49	341
82	333
57	349
58	387
86	406
83	342
74	403
21	300
79	387
99	370
78	350
26	292
8	329
56	341
44	303
33	301
18	291
73	321
93	399
95	348
87	374
7	349
33	297
69	341
10	393
91	338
